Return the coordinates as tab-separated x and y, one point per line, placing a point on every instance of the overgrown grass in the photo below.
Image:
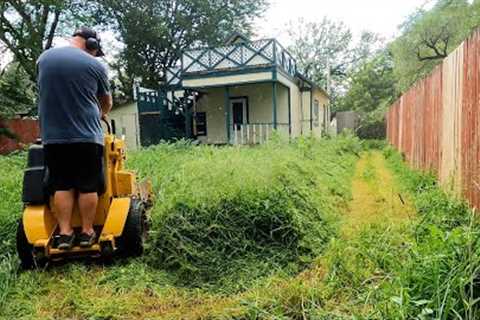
11	177
224	220
424	268
233	214
251	233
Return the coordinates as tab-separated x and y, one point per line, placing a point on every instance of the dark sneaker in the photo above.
86	240
65	242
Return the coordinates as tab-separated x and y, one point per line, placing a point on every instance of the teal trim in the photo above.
231	45
233	84
213	74
227	112
286	75
274	104
197	55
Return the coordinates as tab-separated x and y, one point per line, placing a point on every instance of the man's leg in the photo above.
87	203
64	201
87	184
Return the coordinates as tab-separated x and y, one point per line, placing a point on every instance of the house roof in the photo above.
311	83
234	37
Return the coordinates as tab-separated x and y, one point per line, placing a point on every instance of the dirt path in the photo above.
376	197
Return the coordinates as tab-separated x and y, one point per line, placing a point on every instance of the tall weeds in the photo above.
221	212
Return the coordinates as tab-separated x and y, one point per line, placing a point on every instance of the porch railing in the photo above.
242	55
252	133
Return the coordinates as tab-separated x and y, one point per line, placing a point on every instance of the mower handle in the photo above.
111	129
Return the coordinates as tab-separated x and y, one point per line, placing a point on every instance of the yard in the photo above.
315	229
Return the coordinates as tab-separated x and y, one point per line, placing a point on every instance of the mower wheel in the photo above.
130	243
24	248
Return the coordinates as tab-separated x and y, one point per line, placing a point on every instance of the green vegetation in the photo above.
220	210
428	36
225	220
266	233
423	267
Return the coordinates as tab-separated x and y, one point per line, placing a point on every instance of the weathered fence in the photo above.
436	124
25	131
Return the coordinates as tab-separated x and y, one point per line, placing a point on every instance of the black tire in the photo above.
130	243
24	248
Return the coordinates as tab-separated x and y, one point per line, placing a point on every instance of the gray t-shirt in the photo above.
69	82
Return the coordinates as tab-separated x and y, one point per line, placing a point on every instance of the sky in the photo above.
380	16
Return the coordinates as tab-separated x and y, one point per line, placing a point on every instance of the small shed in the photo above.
127	125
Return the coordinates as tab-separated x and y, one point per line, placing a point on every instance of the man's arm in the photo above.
103	92
105	103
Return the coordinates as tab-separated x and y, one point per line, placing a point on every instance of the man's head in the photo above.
87	39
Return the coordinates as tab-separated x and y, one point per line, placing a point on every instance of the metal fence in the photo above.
436	124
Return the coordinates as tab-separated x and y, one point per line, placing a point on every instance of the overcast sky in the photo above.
380	16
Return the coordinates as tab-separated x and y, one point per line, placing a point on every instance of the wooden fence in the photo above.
26	132
436	124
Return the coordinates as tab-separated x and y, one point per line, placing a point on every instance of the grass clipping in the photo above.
244	212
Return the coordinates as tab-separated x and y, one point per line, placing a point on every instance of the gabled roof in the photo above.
236	37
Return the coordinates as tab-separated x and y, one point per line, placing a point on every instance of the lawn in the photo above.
330	229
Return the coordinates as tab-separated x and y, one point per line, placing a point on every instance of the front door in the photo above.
239	112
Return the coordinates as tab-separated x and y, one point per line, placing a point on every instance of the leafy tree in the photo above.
372	90
17	93
429	36
29	27
155	32
319	46
372	85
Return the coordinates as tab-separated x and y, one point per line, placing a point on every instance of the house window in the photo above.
201	123
316	111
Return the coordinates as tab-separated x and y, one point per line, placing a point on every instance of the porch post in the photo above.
274	104
289	113
188	116
227	112
311	109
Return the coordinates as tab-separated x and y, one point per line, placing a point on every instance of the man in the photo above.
73	97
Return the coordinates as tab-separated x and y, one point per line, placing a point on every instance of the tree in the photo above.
330	45
17	93
155	32
29	27
429	36
372	85
372	91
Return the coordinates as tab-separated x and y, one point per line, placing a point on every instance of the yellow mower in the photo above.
120	222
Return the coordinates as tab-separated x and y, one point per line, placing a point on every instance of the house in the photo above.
240	93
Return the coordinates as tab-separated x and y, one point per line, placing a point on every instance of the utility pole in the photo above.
328	93
328	77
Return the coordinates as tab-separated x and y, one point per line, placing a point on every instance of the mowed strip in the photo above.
376	197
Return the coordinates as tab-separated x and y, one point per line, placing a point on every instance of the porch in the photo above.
242	114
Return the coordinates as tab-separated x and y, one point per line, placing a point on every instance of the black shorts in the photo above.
77	166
